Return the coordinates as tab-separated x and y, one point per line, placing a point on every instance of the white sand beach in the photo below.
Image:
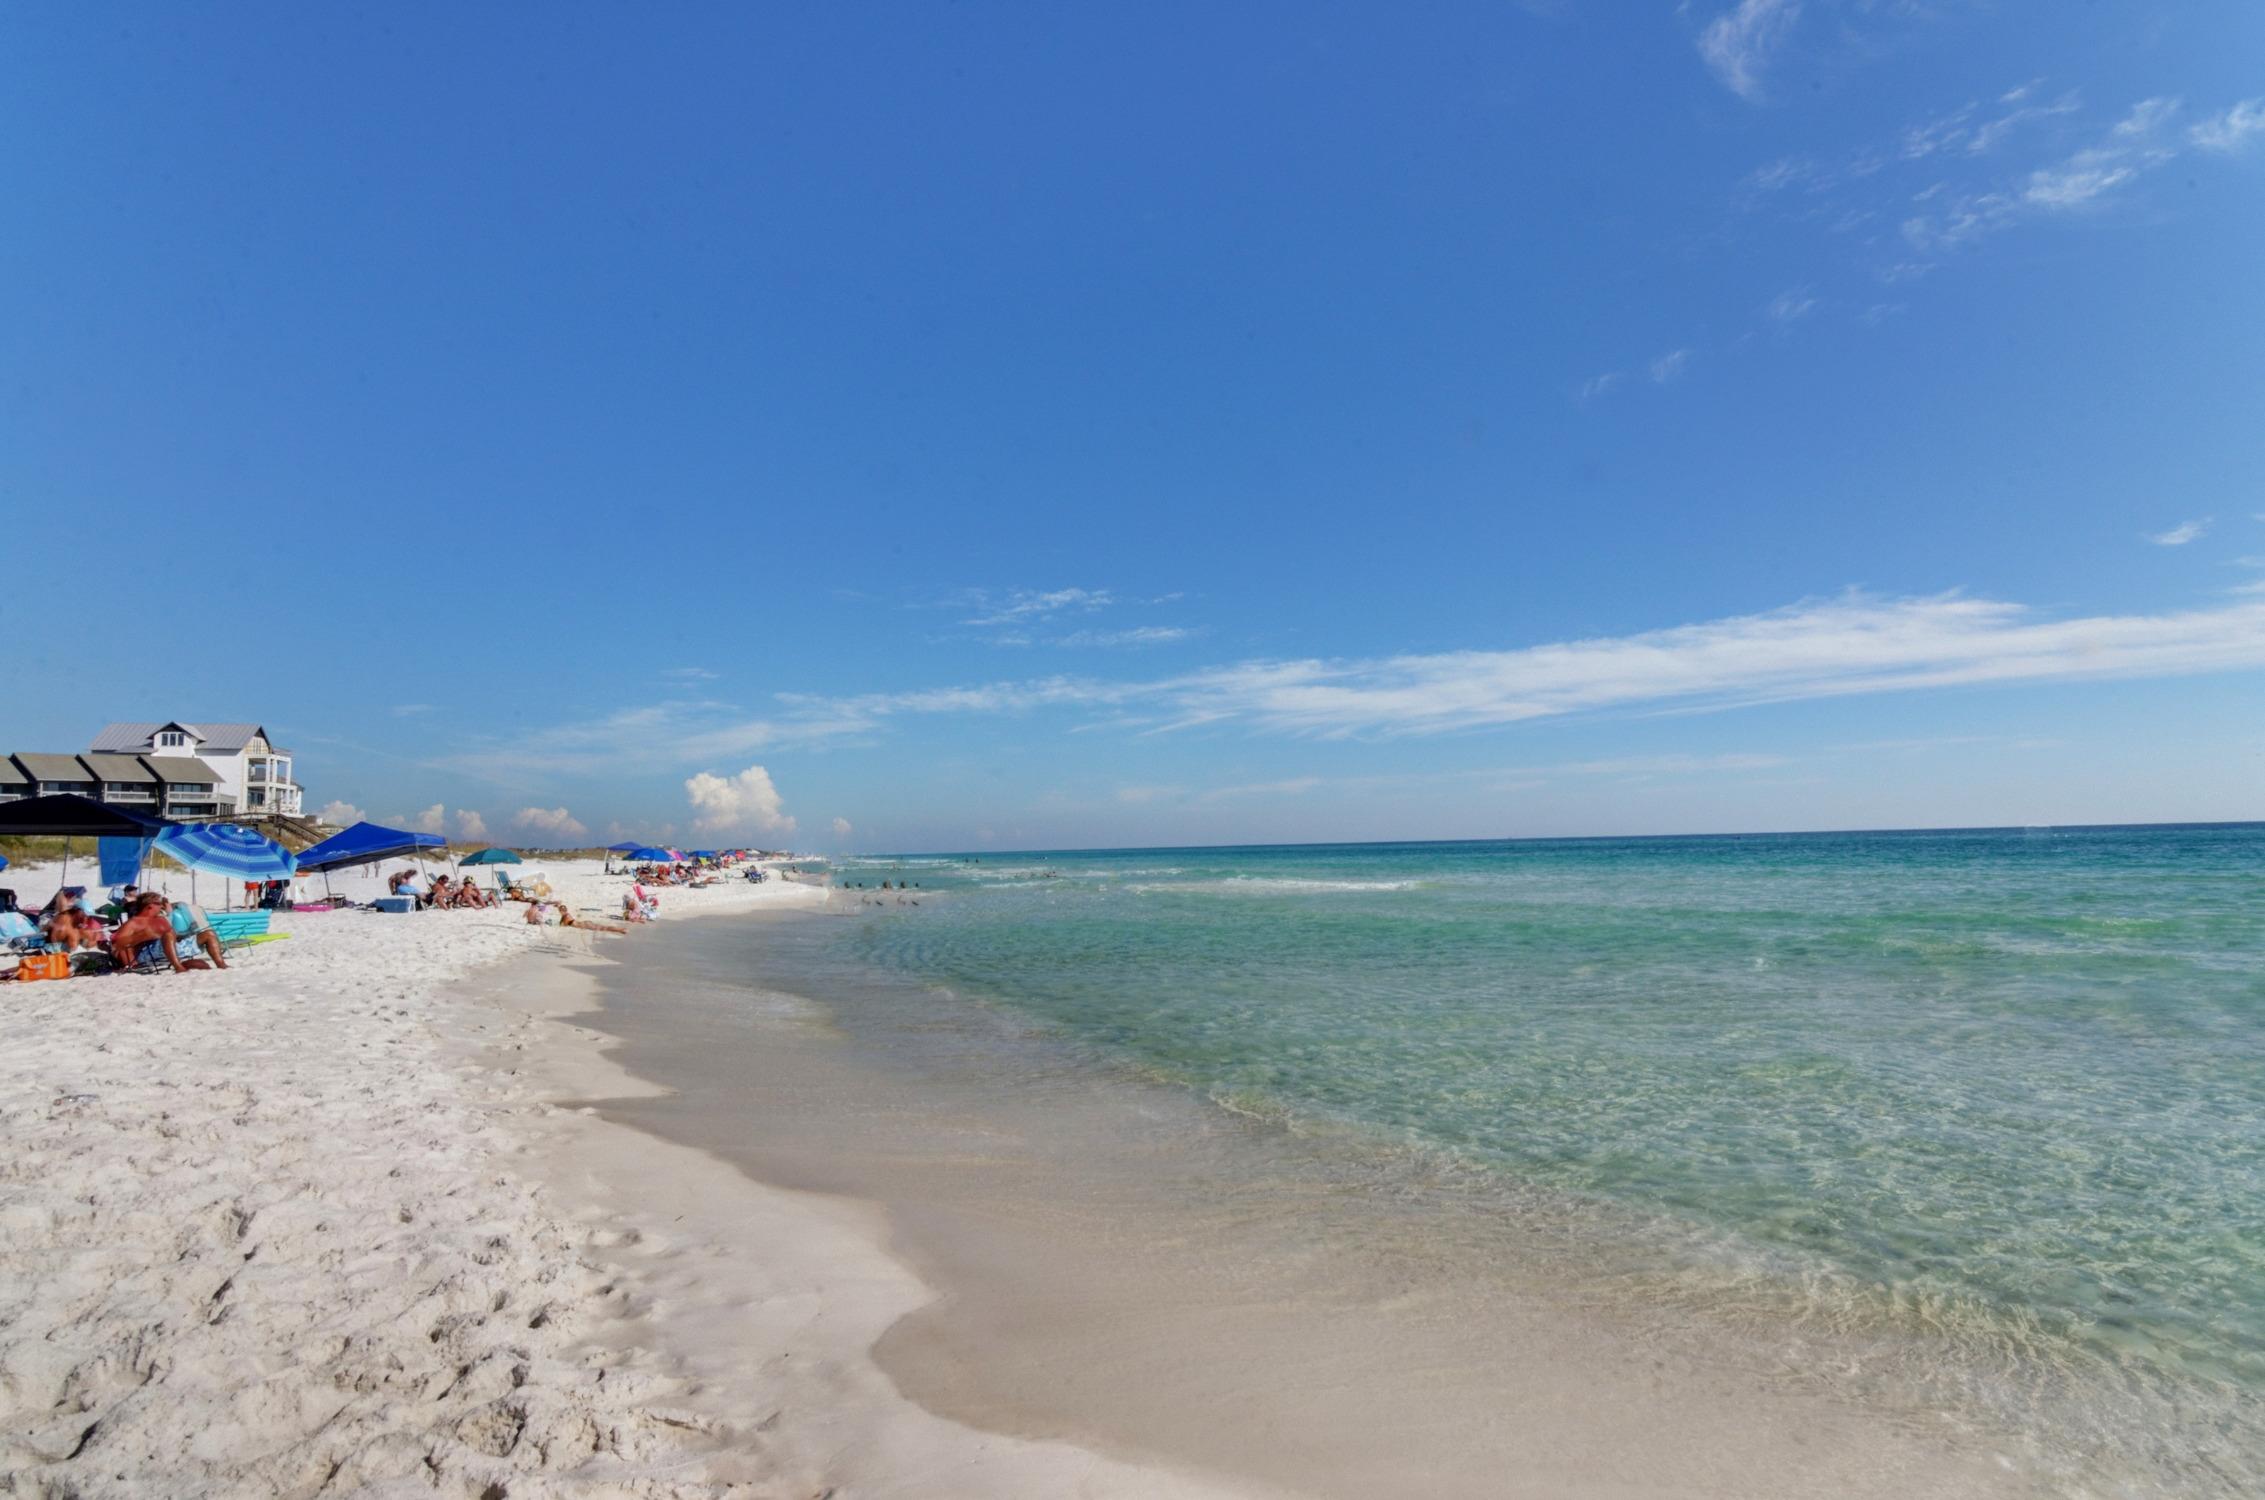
330	1223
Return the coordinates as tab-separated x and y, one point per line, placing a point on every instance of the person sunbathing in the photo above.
147	935
72	930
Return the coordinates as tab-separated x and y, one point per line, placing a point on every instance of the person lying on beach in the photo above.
147	935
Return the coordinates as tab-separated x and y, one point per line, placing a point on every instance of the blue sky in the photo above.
996	425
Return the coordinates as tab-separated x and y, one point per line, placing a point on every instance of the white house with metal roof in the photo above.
252	774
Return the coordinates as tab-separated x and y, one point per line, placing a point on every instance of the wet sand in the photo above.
1125	1267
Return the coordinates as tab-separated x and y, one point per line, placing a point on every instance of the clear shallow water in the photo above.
2001	1090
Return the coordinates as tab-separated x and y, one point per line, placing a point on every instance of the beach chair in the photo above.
237	929
505	890
19	934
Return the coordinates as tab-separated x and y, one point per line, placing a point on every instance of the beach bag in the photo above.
45	966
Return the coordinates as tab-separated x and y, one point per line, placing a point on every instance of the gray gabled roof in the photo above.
9	773
126	738
220	739
174	769
54	767
117	767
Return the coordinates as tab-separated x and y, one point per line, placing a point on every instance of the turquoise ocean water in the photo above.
2000	1091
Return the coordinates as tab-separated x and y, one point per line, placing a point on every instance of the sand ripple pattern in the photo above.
258	1239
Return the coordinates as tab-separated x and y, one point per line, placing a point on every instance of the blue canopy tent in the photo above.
613	849
363	844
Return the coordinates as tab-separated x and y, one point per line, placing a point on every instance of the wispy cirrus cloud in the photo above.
1037	617
1854	644
1133	636
1670	366
1739	44
1022	606
1791	305
2230	130
2181	534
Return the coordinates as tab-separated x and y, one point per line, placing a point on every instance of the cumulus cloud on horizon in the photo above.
745	803
554	823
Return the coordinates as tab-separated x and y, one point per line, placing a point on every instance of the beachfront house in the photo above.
59	775
172	786
124	781
252	773
189	788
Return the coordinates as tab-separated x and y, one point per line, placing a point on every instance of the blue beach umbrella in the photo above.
491	857
226	849
655	856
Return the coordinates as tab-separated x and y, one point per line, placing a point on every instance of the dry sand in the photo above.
327	1224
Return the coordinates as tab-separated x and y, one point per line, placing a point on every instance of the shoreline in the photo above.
765	1301
1091	1296
334	1221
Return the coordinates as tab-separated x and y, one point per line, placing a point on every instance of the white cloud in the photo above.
1670	365
842	829
432	820
2181	534
2146	117
552	823
1816	649
470	825
745	803
690	674
1939	134
1739	43
341	814
1813	650
1138	635
2084	177
1989	136
1792	305
1597	385
2229	131
1022	606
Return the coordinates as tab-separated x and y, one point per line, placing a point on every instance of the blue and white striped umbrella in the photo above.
227	849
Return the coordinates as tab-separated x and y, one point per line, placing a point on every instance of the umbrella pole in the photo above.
66	880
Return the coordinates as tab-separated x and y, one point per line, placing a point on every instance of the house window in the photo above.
113	791
172	739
